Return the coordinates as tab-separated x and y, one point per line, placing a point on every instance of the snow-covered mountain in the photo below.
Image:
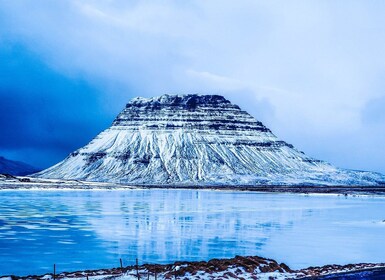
196	140
12	167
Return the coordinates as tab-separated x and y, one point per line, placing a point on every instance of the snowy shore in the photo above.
235	268
8	182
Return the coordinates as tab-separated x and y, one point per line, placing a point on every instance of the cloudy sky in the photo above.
312	71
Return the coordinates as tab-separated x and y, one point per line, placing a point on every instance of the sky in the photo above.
311	71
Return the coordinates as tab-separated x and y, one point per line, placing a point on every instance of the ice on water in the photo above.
86	229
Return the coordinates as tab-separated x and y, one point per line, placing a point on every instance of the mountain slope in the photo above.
15	167
196	140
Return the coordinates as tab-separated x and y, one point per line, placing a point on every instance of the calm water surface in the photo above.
92	229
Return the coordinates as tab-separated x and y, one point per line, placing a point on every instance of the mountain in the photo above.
15	167
196	140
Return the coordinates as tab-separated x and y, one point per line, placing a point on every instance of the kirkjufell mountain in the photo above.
196	140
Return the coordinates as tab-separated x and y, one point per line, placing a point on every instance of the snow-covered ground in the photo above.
236	268
32	183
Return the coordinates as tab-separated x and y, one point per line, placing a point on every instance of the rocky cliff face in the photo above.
196	140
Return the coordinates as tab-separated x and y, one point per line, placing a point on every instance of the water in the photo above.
80	230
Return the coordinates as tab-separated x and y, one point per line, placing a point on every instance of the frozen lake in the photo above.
80	230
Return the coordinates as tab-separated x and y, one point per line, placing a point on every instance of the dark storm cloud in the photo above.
42	110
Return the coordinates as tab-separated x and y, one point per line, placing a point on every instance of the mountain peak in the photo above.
191	111
189	100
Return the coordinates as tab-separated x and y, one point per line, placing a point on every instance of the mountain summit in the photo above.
196	140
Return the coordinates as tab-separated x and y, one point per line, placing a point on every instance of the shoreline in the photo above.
58	185
249	267
9	182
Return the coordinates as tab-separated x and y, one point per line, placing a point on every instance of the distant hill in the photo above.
15	167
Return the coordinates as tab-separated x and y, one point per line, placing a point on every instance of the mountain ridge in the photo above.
15	168
196	140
